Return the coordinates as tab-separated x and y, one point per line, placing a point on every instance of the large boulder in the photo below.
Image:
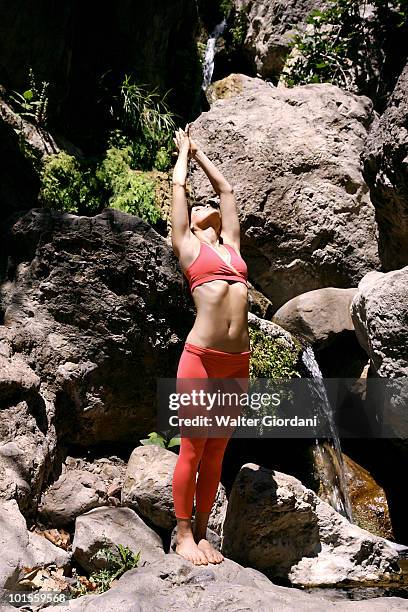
385	158
280	527
293	159
380	314
93	305
319	315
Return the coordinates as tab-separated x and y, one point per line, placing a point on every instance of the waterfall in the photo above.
208	67
328	454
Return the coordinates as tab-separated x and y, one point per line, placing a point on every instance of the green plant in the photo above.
118	564
33	102
145	117
335	47
62	184
127	190
271	358
159	440
239	29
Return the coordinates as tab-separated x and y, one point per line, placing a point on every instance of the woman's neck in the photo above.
209	236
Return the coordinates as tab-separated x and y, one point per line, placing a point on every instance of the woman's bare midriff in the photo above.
222	316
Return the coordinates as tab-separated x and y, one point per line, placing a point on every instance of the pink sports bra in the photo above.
209	265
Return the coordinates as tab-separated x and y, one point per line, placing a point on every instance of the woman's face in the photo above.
206	215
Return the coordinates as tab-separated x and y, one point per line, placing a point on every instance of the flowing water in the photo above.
328	457
208	67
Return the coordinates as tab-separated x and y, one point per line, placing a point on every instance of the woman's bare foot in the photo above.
212	555
187	548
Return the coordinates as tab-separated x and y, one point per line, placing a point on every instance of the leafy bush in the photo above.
127	190
62	183
271	358
159	440
336	46
68	184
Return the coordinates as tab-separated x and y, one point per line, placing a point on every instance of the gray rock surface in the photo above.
318	316
147	488
271	26
89	305
280	527
75	492
107	527
293	159
27	441
176	584
380	314
22	549
385	158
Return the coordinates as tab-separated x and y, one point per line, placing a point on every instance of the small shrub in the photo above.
62	184
270	358
159	440
101	580
130	191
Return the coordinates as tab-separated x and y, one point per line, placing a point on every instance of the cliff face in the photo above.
72	45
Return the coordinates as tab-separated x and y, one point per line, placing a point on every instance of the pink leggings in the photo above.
199	362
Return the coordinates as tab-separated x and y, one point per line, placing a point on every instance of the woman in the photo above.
207	243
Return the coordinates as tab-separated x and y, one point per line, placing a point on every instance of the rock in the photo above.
380	315
276	525
317	315
22	550
75	492
271	26
368	500
108	527
176	584
90	302
148	484
258	304
292	156
385	158
26	440
147	488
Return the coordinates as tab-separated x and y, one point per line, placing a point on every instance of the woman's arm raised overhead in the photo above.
230	222
180	226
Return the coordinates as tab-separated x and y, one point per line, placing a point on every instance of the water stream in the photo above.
328	457
208	66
